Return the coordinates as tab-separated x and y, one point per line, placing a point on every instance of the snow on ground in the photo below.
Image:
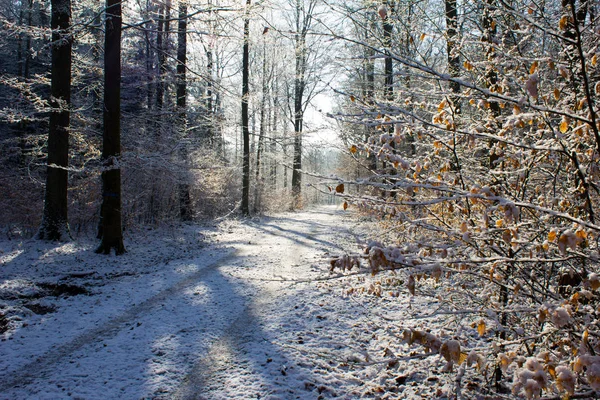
243	310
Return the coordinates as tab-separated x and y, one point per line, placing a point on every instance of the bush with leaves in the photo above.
498	192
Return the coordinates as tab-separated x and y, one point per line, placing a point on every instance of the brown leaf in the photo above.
411	285
534	67
339	188
481	328
562	24
345	205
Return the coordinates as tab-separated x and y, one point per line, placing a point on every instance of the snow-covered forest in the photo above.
299	199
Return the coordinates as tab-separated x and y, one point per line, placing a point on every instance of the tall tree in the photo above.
245	119
110	231
54	221
28	41
185	211
303	21
263	126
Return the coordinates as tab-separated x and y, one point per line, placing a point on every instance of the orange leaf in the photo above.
442	105
481	327
345	205
562	24
564	126
534	67
353	149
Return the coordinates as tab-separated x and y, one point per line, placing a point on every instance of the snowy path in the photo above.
234	311
220	325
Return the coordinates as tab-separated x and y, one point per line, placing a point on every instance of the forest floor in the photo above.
243	309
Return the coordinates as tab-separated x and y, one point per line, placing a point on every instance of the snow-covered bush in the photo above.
490	185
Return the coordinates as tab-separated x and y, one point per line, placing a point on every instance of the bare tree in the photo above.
303	20
55	224
110	229
185	211
245	119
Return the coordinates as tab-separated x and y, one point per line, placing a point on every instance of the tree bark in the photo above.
388	89
262	130
54	221
245	119
185	212
489	32
162	59
302	25
453	58
111	232
369	71
28	41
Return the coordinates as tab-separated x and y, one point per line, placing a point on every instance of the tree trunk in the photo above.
245	120
54	221
489	32
185	211
299	86
111	232
162	60
273	147
388	89
28	41
210	109
149	55
370	89
453	58
262	130
210	115
20	42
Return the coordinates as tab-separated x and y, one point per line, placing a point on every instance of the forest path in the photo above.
247	358
224	331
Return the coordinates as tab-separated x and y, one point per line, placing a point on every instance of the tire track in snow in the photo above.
298	240
43	364
217	359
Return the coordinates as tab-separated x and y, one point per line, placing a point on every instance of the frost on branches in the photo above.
487	181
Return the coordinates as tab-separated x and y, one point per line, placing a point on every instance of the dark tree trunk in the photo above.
162	60
54	221
149	56
28	41
298	121
388	66
185	212
211	134
388	89
210	112
453	57
20	43
489	32
370	90
299	86
111	231
245	119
